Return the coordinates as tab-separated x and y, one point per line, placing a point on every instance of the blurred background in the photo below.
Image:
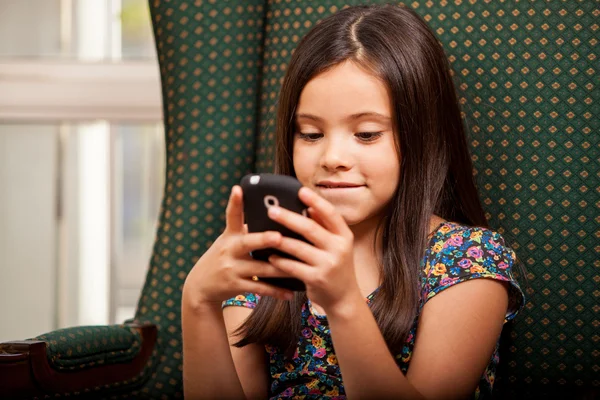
81	161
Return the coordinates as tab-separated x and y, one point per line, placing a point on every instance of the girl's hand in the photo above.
226	268
328	264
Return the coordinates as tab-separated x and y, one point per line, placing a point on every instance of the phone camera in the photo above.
271	201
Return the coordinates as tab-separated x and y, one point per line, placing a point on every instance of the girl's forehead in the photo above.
345	91
347	72
373	115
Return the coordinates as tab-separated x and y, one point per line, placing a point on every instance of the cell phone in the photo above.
260	192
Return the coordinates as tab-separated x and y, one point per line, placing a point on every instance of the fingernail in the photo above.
274	211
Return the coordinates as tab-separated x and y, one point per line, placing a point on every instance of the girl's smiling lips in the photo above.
338	185
338	190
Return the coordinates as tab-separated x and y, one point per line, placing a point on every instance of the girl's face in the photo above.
344	133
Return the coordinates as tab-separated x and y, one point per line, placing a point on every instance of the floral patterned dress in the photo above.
455	254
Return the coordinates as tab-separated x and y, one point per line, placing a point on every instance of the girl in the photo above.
369	123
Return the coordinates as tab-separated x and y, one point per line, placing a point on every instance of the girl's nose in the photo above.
335	156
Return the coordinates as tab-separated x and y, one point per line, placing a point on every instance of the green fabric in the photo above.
88	346
209	55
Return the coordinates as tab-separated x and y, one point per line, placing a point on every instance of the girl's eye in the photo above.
363	136
311	137
368	136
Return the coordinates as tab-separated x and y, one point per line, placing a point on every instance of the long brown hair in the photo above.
436	173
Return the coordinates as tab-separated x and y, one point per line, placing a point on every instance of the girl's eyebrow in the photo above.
352	117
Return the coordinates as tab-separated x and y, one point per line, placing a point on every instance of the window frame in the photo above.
52	91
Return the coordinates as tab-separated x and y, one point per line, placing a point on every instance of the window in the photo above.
81	161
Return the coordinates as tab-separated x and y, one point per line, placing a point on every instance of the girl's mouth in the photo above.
339	188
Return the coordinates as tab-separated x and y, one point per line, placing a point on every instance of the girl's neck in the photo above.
367	256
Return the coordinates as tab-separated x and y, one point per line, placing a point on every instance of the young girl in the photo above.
369	123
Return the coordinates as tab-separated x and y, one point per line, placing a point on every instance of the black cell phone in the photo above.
262	191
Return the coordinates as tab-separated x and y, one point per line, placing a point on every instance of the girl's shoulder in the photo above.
451	238
457	253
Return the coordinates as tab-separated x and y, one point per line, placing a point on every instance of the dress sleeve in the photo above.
248	300
471	253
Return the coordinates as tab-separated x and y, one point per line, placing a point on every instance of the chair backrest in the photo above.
527	74
210	55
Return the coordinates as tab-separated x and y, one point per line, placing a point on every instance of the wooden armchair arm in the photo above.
26	372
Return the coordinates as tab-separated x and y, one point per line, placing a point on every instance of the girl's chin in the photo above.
352	218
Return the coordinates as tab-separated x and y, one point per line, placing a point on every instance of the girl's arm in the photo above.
251	360
457	333
208	369
211	368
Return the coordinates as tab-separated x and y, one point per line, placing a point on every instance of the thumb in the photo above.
234	214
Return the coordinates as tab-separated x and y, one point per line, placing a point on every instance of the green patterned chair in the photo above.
527	74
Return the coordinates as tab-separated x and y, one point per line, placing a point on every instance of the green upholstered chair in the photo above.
527	75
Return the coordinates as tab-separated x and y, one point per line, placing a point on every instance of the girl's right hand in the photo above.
226	268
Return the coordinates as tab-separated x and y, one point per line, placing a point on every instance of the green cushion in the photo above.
88	346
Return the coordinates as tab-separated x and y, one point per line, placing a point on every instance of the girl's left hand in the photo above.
327	267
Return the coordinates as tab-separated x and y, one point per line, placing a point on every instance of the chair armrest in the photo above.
77	360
